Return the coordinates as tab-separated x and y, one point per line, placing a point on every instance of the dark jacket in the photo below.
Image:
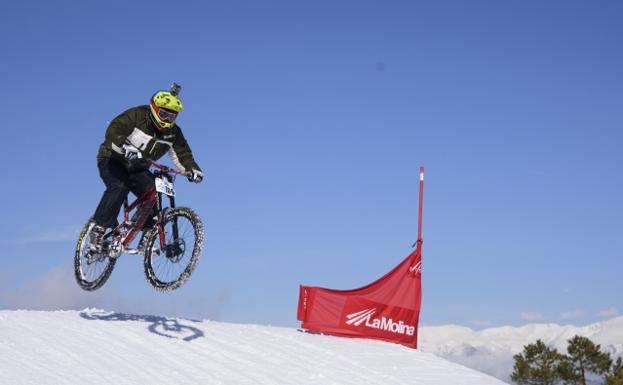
135	127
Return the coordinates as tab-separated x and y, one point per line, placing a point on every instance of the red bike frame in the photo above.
144	206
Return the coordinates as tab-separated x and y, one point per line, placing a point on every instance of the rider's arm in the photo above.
119	129
181	154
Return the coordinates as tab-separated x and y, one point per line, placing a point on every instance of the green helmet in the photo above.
165	105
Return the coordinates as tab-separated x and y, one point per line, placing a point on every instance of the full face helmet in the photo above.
165	105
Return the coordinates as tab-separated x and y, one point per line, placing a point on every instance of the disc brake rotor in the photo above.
175	251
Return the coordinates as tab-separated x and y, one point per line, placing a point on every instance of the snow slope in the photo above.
491	350
96	347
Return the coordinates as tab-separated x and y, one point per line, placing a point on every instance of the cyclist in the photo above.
139	134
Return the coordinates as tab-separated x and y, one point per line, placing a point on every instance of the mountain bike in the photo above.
171	248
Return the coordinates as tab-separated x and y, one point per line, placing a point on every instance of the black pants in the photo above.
119	182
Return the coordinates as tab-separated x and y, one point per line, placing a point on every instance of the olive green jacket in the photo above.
135	127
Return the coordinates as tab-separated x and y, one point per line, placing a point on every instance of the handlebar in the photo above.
169	170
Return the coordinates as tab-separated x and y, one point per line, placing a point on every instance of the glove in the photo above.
131	153
195	176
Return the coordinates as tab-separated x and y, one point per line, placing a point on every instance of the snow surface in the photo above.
491	350
96	347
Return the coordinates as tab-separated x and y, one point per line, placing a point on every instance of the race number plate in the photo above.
165	187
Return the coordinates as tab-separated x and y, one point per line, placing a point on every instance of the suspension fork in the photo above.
174	224
176	234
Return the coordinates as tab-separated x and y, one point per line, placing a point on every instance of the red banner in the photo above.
387	309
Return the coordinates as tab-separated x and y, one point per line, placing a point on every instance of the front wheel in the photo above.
170	263
91	270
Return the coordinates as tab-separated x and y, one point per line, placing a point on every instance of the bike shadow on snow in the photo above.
165	327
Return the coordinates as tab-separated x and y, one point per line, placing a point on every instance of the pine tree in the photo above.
583	357
615	377
537	365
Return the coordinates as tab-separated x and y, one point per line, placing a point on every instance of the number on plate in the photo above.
165	187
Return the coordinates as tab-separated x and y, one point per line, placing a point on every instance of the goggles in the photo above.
163	114
166	116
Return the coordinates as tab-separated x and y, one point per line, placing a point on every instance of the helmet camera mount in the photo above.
175	89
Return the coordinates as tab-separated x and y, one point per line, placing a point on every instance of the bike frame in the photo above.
128	229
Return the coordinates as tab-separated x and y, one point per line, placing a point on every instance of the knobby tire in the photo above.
81	267
154	258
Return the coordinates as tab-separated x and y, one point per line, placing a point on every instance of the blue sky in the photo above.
310	120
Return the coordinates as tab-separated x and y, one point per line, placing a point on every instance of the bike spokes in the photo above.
169	266
91	269
173	258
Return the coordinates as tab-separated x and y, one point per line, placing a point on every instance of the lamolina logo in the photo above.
417	268
383	323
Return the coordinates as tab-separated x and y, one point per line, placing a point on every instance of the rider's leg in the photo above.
116	179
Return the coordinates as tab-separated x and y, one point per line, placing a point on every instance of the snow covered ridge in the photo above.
491	350
97	347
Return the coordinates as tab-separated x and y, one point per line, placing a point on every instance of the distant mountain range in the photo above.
491	350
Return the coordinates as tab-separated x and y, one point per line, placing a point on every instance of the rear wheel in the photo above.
168	267
91	270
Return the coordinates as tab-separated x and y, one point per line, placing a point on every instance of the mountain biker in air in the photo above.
133	138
